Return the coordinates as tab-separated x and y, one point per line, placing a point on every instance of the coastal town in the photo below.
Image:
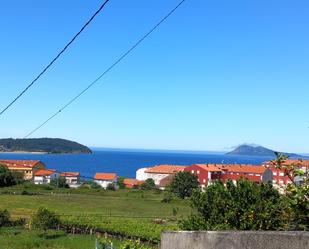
162	175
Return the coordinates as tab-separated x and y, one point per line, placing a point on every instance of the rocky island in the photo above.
43	145
250	150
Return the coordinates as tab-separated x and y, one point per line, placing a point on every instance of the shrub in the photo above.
59	182
183	184
44	219
9	178
111	186
4	218
148	184
244	206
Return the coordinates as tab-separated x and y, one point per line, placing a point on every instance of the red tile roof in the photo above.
297	162
70	174
165	169
209	167
44	172
132	182
237	168
105	176
244	168
20	163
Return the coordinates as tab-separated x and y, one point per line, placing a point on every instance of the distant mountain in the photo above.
47	145
249	150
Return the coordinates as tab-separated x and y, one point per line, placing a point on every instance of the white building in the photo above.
159	172
71	178
44	176
104	179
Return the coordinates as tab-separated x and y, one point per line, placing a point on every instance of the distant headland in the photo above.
43	145
250	150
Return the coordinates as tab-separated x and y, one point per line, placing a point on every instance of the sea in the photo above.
125	162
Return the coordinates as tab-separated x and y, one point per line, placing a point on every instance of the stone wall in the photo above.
235	240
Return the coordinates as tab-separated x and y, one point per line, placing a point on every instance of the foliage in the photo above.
297	192
148	184
244	206
111	186
4	218
183	184
9	178
50	145
59	182
128	244
121	182
44	219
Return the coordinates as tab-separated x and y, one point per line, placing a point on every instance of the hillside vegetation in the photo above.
48	145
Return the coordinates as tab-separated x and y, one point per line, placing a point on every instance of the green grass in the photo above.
128	212
18	238
110	203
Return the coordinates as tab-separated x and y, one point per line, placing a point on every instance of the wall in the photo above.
235	240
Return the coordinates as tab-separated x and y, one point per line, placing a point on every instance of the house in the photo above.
44	176
207	173
104	179
26	167
71	178
130	182
254	173
158	172
166	181
280	178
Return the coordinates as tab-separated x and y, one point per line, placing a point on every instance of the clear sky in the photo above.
217	74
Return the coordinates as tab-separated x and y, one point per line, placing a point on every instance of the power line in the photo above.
54	60
109	68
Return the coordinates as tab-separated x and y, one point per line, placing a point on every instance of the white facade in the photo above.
105	183
45	179
142	175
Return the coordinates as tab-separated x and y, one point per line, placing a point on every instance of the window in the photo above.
192	171
274	173
204	180
257	174
198	172
281	174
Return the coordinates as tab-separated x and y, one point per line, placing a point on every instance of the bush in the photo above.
9	178
183	184
111	186
148	184
59	182
244	206
44	219
4	218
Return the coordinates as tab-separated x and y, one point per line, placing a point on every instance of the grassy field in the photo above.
129	212
18	238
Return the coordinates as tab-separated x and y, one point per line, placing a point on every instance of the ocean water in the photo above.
126	162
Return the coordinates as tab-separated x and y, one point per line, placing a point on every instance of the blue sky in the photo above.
217	74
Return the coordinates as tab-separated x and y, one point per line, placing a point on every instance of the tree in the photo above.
183	184
44	219
121	182
111	186
244	206
59	182
4	218
148	184
9	178
296	192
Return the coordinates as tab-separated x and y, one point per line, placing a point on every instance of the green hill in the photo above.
47	145
249	150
